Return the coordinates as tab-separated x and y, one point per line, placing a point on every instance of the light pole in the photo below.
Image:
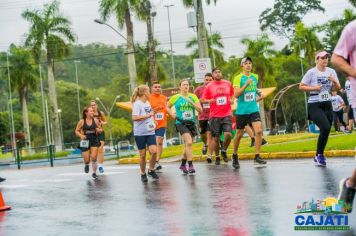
301	56
108	112
43	107
170	41
76	77
60	124
211	45
13	138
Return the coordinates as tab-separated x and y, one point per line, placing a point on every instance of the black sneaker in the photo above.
86	168
152	174
144	178
158	167
347	195
2	179
264	142
209	159
205	149
94	175
217	161
224	155
258	160
252	143
235	161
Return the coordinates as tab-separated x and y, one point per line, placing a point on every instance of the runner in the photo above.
185	104
219	93
247	111
319	81
159	106
346	50
204	116
351	112
87	129
249	130
100	116
144	130
338	111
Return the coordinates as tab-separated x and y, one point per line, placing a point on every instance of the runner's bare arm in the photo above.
98	128
169	111
336	84
239	91
78	129
261	96
307	88
144	117
341	64
103	119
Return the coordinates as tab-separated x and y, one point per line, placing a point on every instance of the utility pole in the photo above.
76	77
43	107
211	45
170	40
201	30
13	137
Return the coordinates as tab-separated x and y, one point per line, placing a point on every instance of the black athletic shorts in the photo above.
243	120
219	125
189	128
351	113
93	142
204	126
101	136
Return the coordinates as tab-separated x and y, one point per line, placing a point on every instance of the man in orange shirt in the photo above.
159	105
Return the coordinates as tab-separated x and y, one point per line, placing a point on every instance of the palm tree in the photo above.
202	31
353	2
50	30
213	40
122	10
23	79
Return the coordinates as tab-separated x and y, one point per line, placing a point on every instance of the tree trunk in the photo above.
202	32
53	106
25	119
263	115
151	51
130	51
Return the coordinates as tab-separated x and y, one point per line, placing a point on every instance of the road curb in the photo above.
272	155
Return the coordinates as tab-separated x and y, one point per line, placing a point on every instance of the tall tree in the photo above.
50	30
285	14
23	78
353	2
122	10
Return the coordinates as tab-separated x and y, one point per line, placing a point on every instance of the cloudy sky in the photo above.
234	19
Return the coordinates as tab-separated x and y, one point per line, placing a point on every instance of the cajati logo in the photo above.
327	214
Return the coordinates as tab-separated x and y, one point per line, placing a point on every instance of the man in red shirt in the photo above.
220	94
204	115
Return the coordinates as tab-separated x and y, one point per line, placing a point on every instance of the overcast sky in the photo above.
234	19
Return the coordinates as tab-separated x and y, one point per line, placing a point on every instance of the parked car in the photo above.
125	145
173	141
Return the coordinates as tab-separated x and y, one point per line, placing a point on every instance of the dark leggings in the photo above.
321	114
339	115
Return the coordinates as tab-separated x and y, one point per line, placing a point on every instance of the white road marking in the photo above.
89	174
12	186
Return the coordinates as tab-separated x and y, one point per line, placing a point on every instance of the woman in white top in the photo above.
144	130
319	81
338	111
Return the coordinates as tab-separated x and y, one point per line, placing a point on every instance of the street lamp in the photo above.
170	40
301	56
60	124
13	138
211	45
108	114
76	76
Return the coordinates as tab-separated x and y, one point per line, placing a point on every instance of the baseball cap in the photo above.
321	54
243	60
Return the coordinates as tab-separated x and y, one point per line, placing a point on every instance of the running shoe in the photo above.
191	169
264	142
252	143
144	178
217	161
86	168
152	174
347	195
158	167
259	160
94	175
184	169
101	169
320	160
205	149
2	179
224	155
235	161
347	131
209	160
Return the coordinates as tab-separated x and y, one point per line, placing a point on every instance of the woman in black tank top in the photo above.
87	129
102	120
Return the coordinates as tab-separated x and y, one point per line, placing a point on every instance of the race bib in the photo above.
150	126
187	115
206	105
84	143
159	116
250	97
324	96
220	101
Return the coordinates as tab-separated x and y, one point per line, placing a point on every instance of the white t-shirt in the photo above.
314	77
337	101
348	91
143	127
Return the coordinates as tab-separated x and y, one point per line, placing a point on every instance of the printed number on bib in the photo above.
249	97
324	96
206	105
159	116
84	143
220	101
187	115
150	126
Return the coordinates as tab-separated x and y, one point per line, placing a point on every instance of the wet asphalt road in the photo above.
216	201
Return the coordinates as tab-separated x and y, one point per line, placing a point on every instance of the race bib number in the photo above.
250	97
84	143
187	115
220	101
159	116
324	96
150	126
206	105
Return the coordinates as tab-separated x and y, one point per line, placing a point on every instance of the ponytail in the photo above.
138	92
